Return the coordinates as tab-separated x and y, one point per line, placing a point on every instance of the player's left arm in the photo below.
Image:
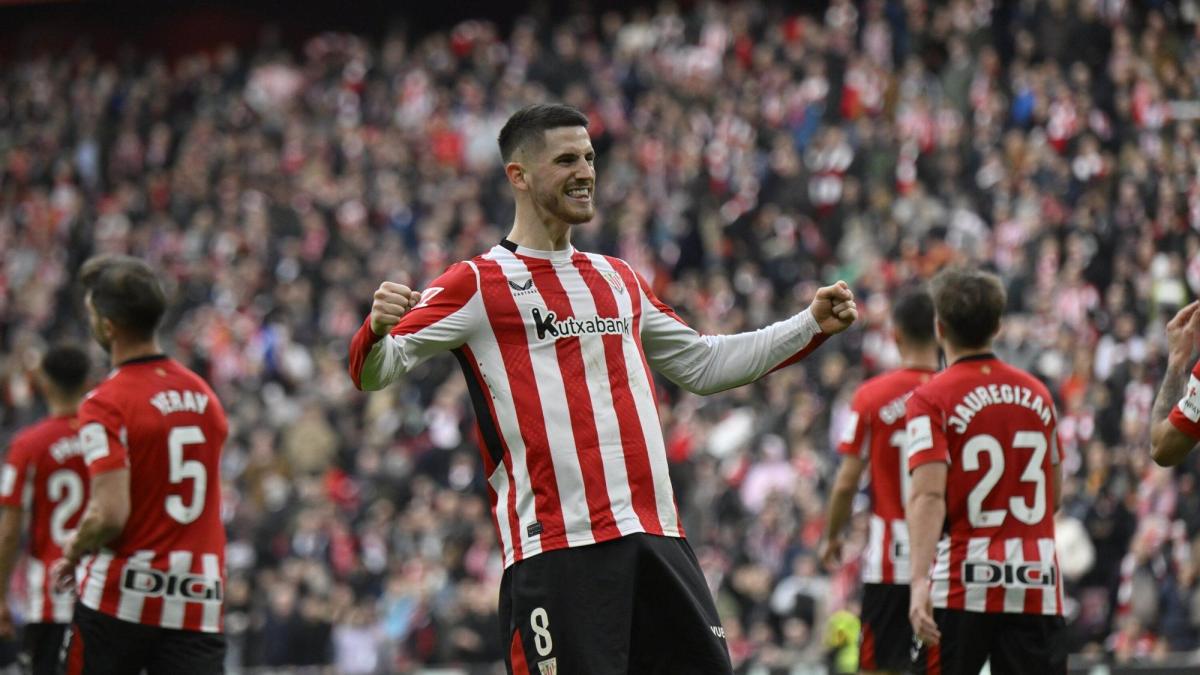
706	364
1175	419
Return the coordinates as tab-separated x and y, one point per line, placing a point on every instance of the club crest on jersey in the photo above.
522	289
549	666
613	280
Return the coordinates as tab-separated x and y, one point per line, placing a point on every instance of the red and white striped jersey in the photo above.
1185	416
44	475
995	426
875	433
167	567
557	348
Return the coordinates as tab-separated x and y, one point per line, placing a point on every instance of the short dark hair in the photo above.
126	291
912	314
529	124
66	365
969	304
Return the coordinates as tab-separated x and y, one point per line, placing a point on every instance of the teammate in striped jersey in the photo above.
557	346
150	549
44	478
875	435
1176	415
983	453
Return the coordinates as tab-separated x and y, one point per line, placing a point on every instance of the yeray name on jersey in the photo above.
172	401
993	394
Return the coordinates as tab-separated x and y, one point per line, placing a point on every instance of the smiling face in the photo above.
561	176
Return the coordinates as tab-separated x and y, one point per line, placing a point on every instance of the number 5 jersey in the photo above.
995	427
161	421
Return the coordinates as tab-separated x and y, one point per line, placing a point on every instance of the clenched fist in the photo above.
392	302
834	308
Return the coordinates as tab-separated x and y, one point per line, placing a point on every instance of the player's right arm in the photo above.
1175	419
928	463
12	513
406	327
854	448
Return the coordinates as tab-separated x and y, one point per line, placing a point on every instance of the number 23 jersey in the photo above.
161	421
995	427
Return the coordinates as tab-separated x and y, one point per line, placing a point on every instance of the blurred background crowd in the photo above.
746	152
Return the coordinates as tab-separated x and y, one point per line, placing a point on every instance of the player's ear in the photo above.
516	175
39	380
939	331
897	337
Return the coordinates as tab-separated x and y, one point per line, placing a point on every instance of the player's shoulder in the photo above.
1024	378
940	386
34	440
30	436
618	265
890	382
456	284
107	394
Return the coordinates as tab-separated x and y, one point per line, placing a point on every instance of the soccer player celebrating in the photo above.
1176	428
875	435
45	478
557	346
983	453
151	558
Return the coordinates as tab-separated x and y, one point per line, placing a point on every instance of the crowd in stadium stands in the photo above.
744	154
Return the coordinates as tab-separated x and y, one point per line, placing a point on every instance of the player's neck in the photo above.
60	405
533	230
955	354
123	352
919	359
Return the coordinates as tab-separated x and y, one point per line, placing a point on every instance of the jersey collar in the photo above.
555	256
141	359
975	357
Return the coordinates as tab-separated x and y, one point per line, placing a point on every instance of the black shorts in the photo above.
638	604
886	639
99	644
42	643
1017	644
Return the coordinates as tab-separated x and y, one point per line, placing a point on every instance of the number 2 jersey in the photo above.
995	426
44	475
875	433
162	422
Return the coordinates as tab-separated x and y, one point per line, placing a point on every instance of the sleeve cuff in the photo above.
809	323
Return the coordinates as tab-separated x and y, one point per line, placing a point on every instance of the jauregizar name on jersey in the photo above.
171	401
993	394
571	327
